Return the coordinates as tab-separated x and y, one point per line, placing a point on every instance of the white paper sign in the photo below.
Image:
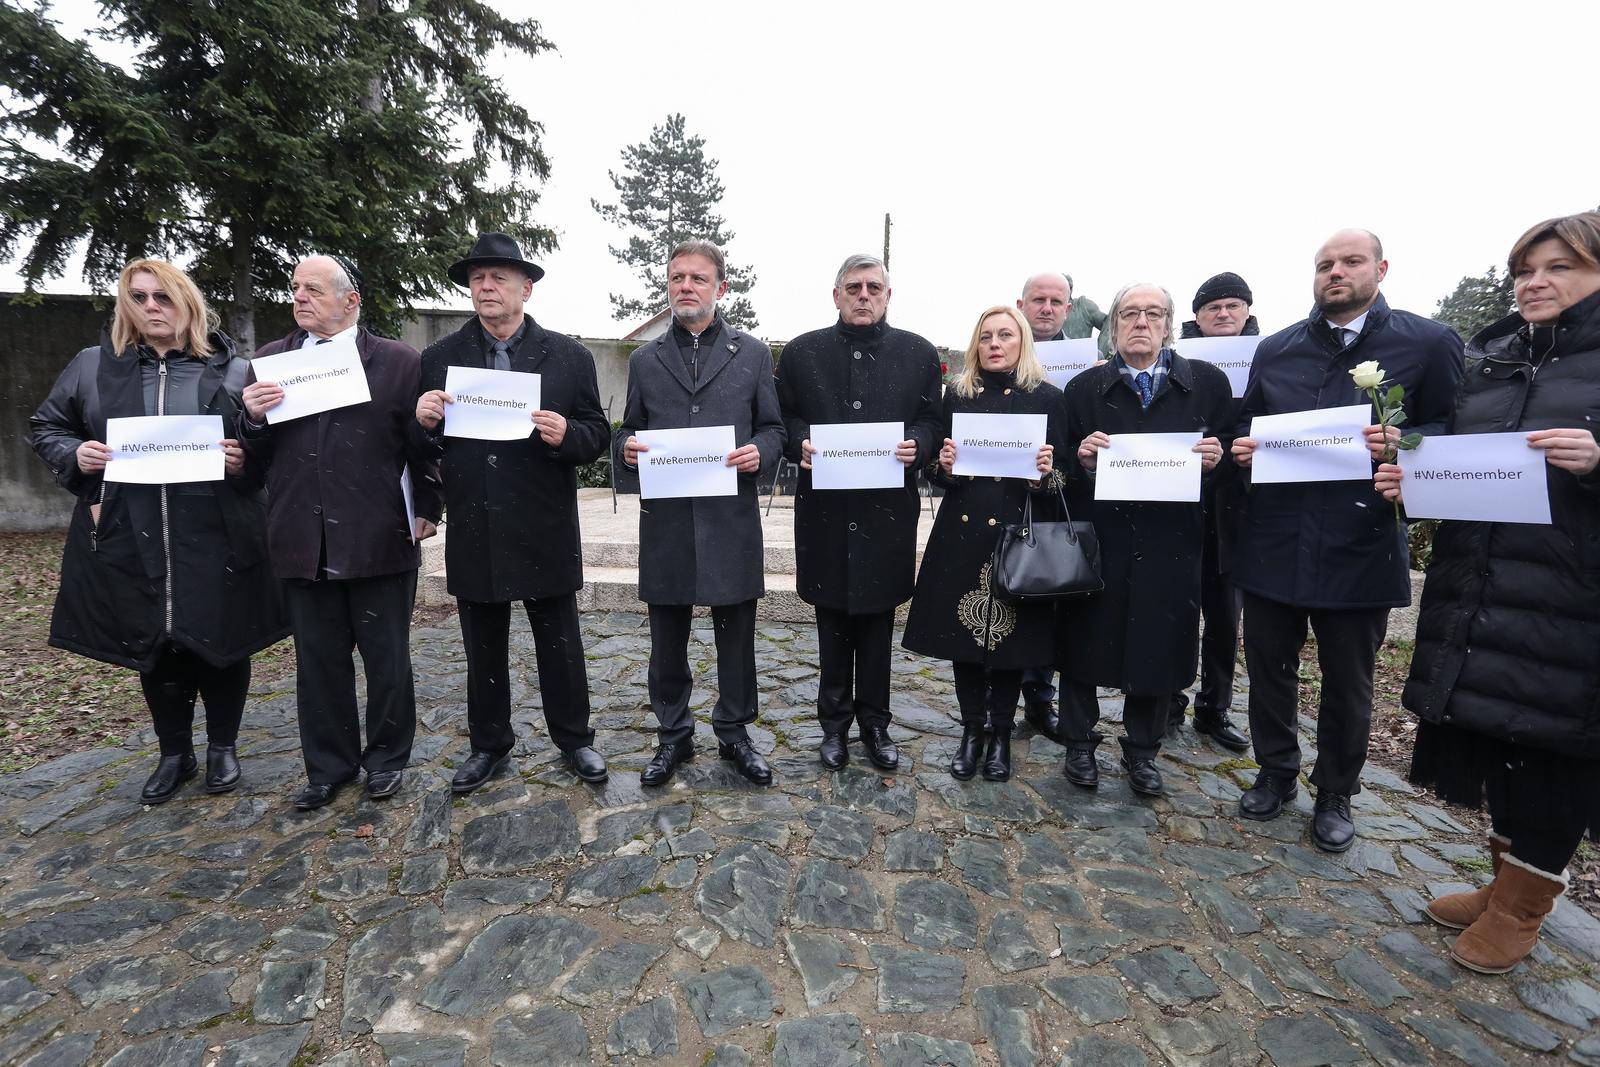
1065	360
1325	445
1149	466
314	379
997	446
687	462
1231	355
1483	477
857	455
163	449
490	405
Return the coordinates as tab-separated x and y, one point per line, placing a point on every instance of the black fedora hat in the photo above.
493	248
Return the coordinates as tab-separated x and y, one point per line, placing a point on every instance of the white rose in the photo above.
1368	375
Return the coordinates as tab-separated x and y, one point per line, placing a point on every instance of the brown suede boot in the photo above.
1460	910
1509	927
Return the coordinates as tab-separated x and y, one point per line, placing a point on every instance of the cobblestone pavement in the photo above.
833	919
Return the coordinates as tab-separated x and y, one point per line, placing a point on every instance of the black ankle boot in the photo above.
170	773
997	757
965	763
222	768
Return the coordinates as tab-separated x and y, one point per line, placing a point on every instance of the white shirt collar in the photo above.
312	339
1354	325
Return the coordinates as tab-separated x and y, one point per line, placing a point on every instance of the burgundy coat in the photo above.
336	476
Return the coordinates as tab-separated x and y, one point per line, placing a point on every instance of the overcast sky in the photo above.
1156	141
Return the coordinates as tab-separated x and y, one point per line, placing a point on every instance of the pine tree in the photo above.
244	134
668	191
1477	302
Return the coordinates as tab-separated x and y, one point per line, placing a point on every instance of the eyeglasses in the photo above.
1132	315
140	297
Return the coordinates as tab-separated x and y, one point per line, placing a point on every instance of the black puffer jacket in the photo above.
1508	640
180	565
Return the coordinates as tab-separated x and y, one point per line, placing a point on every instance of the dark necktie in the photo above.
323	340
501	360
1146	393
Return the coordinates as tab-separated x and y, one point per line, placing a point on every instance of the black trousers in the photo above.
1039	685
1144	717
1220	606
563	674
988	698
331	619
853	654
1544	829
170	688
1347	649
671	682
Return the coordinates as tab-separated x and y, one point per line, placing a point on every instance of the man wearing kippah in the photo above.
340	535
1221	308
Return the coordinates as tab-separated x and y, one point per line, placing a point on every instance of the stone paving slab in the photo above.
857	917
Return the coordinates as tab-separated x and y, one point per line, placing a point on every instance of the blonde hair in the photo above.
1030	375
185	297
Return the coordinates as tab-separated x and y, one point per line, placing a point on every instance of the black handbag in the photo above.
1046	560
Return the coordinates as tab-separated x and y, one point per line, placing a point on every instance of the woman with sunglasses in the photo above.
170	580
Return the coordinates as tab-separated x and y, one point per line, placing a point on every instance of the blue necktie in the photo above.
501	358
1146	394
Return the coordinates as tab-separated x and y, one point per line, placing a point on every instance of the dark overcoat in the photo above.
855	550
115	575
1508	637
1140	634
1336	545
1225	498
704	550
513	505
952	608
335	476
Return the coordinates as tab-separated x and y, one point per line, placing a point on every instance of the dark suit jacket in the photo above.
513	505
705	550
334	478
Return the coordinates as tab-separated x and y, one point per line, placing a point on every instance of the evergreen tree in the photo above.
668	191
1477	302
244	134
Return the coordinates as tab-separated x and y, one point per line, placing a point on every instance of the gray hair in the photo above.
342	285
1112	315
857	262
699	246
1047	274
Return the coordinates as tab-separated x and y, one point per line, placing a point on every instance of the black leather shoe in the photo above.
834	752
477	769
661	766
170	773
997	754
315	796
1041	715
587	764
1215	725
880	749
222	768
1331	828
1266	798
746	760
1144	777
383	784
965	762
1082	769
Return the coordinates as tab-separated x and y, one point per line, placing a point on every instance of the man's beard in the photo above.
1358	298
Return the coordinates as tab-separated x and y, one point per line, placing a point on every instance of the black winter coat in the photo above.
192	573
1224	498
952	602
1141	633
1508	637
333	479
704	550
856	550
1336	545
513	505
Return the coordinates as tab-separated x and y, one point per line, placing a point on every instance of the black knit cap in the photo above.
348	265
1220	287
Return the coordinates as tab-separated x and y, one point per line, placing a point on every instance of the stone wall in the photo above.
37	340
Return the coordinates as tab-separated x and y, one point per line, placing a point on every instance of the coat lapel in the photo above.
533	350
720	356
667	353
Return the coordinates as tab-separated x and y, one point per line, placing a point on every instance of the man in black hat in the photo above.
339	535
855	549
513	511
1221	308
